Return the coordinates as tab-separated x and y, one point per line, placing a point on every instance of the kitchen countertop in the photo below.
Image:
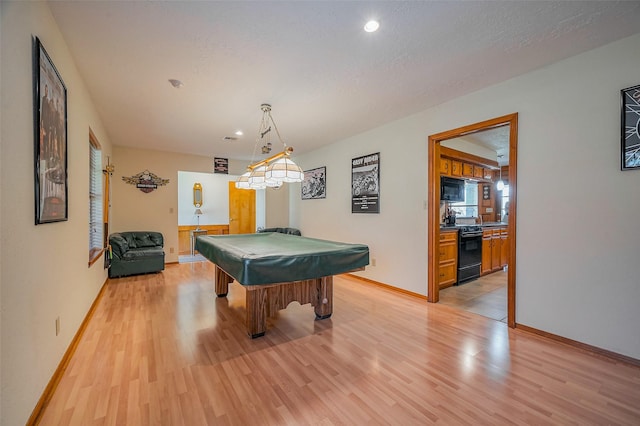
484	225
493	224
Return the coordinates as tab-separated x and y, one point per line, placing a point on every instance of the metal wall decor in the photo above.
146	181
50	131
630	128
365	184
314	184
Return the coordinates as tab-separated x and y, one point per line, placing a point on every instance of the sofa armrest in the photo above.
119	245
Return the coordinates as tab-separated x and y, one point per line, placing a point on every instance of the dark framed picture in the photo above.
630	128
314	184
365	184
221	165
50	128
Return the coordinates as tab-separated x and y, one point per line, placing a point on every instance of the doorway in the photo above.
433	227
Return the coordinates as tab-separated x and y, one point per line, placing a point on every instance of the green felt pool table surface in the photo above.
271	257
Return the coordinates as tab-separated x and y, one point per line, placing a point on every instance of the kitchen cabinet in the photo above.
504	247
456	168
445	166
467	170
492	250
448	258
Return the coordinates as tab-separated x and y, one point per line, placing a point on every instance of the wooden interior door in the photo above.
242	210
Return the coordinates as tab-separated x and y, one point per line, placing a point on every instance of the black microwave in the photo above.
451	189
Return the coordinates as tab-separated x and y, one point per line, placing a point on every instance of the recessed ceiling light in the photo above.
176	83
239	133
371	26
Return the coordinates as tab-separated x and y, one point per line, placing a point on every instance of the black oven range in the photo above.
469	253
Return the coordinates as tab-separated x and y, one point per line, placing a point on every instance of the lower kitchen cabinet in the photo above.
495	249
448	259
504	247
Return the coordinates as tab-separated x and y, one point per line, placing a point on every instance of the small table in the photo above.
194	234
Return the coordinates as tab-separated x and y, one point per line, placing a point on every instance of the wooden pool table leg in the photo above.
256	320
222	280
324	304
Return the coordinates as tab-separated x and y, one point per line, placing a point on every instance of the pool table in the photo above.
277	269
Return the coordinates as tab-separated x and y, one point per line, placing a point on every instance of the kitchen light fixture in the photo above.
500	184
371	26
275	170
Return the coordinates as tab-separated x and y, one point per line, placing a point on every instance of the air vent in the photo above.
230	138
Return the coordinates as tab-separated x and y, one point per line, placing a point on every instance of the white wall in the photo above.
45	270
215	198
577	242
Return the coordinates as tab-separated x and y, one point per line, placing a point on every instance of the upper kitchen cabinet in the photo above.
467	170
456	168
445	166
461	164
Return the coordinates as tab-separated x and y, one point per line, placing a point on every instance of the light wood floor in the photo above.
486	296
162	349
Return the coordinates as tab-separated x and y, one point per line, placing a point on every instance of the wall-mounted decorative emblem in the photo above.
146	181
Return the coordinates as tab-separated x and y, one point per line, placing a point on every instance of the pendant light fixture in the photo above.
500	184
275	170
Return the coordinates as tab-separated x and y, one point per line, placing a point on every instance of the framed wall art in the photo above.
630	128
314	184
221	165
50	128
365	184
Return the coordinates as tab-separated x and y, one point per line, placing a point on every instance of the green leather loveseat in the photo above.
136	252
290	231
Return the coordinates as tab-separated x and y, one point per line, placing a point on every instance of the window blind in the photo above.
95	201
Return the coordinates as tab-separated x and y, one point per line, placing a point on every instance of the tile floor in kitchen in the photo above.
486	296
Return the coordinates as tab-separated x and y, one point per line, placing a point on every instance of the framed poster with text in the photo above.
365	184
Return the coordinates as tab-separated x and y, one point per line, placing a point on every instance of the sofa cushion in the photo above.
130	240
144	240
139	253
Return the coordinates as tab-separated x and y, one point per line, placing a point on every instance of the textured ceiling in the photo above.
325	77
